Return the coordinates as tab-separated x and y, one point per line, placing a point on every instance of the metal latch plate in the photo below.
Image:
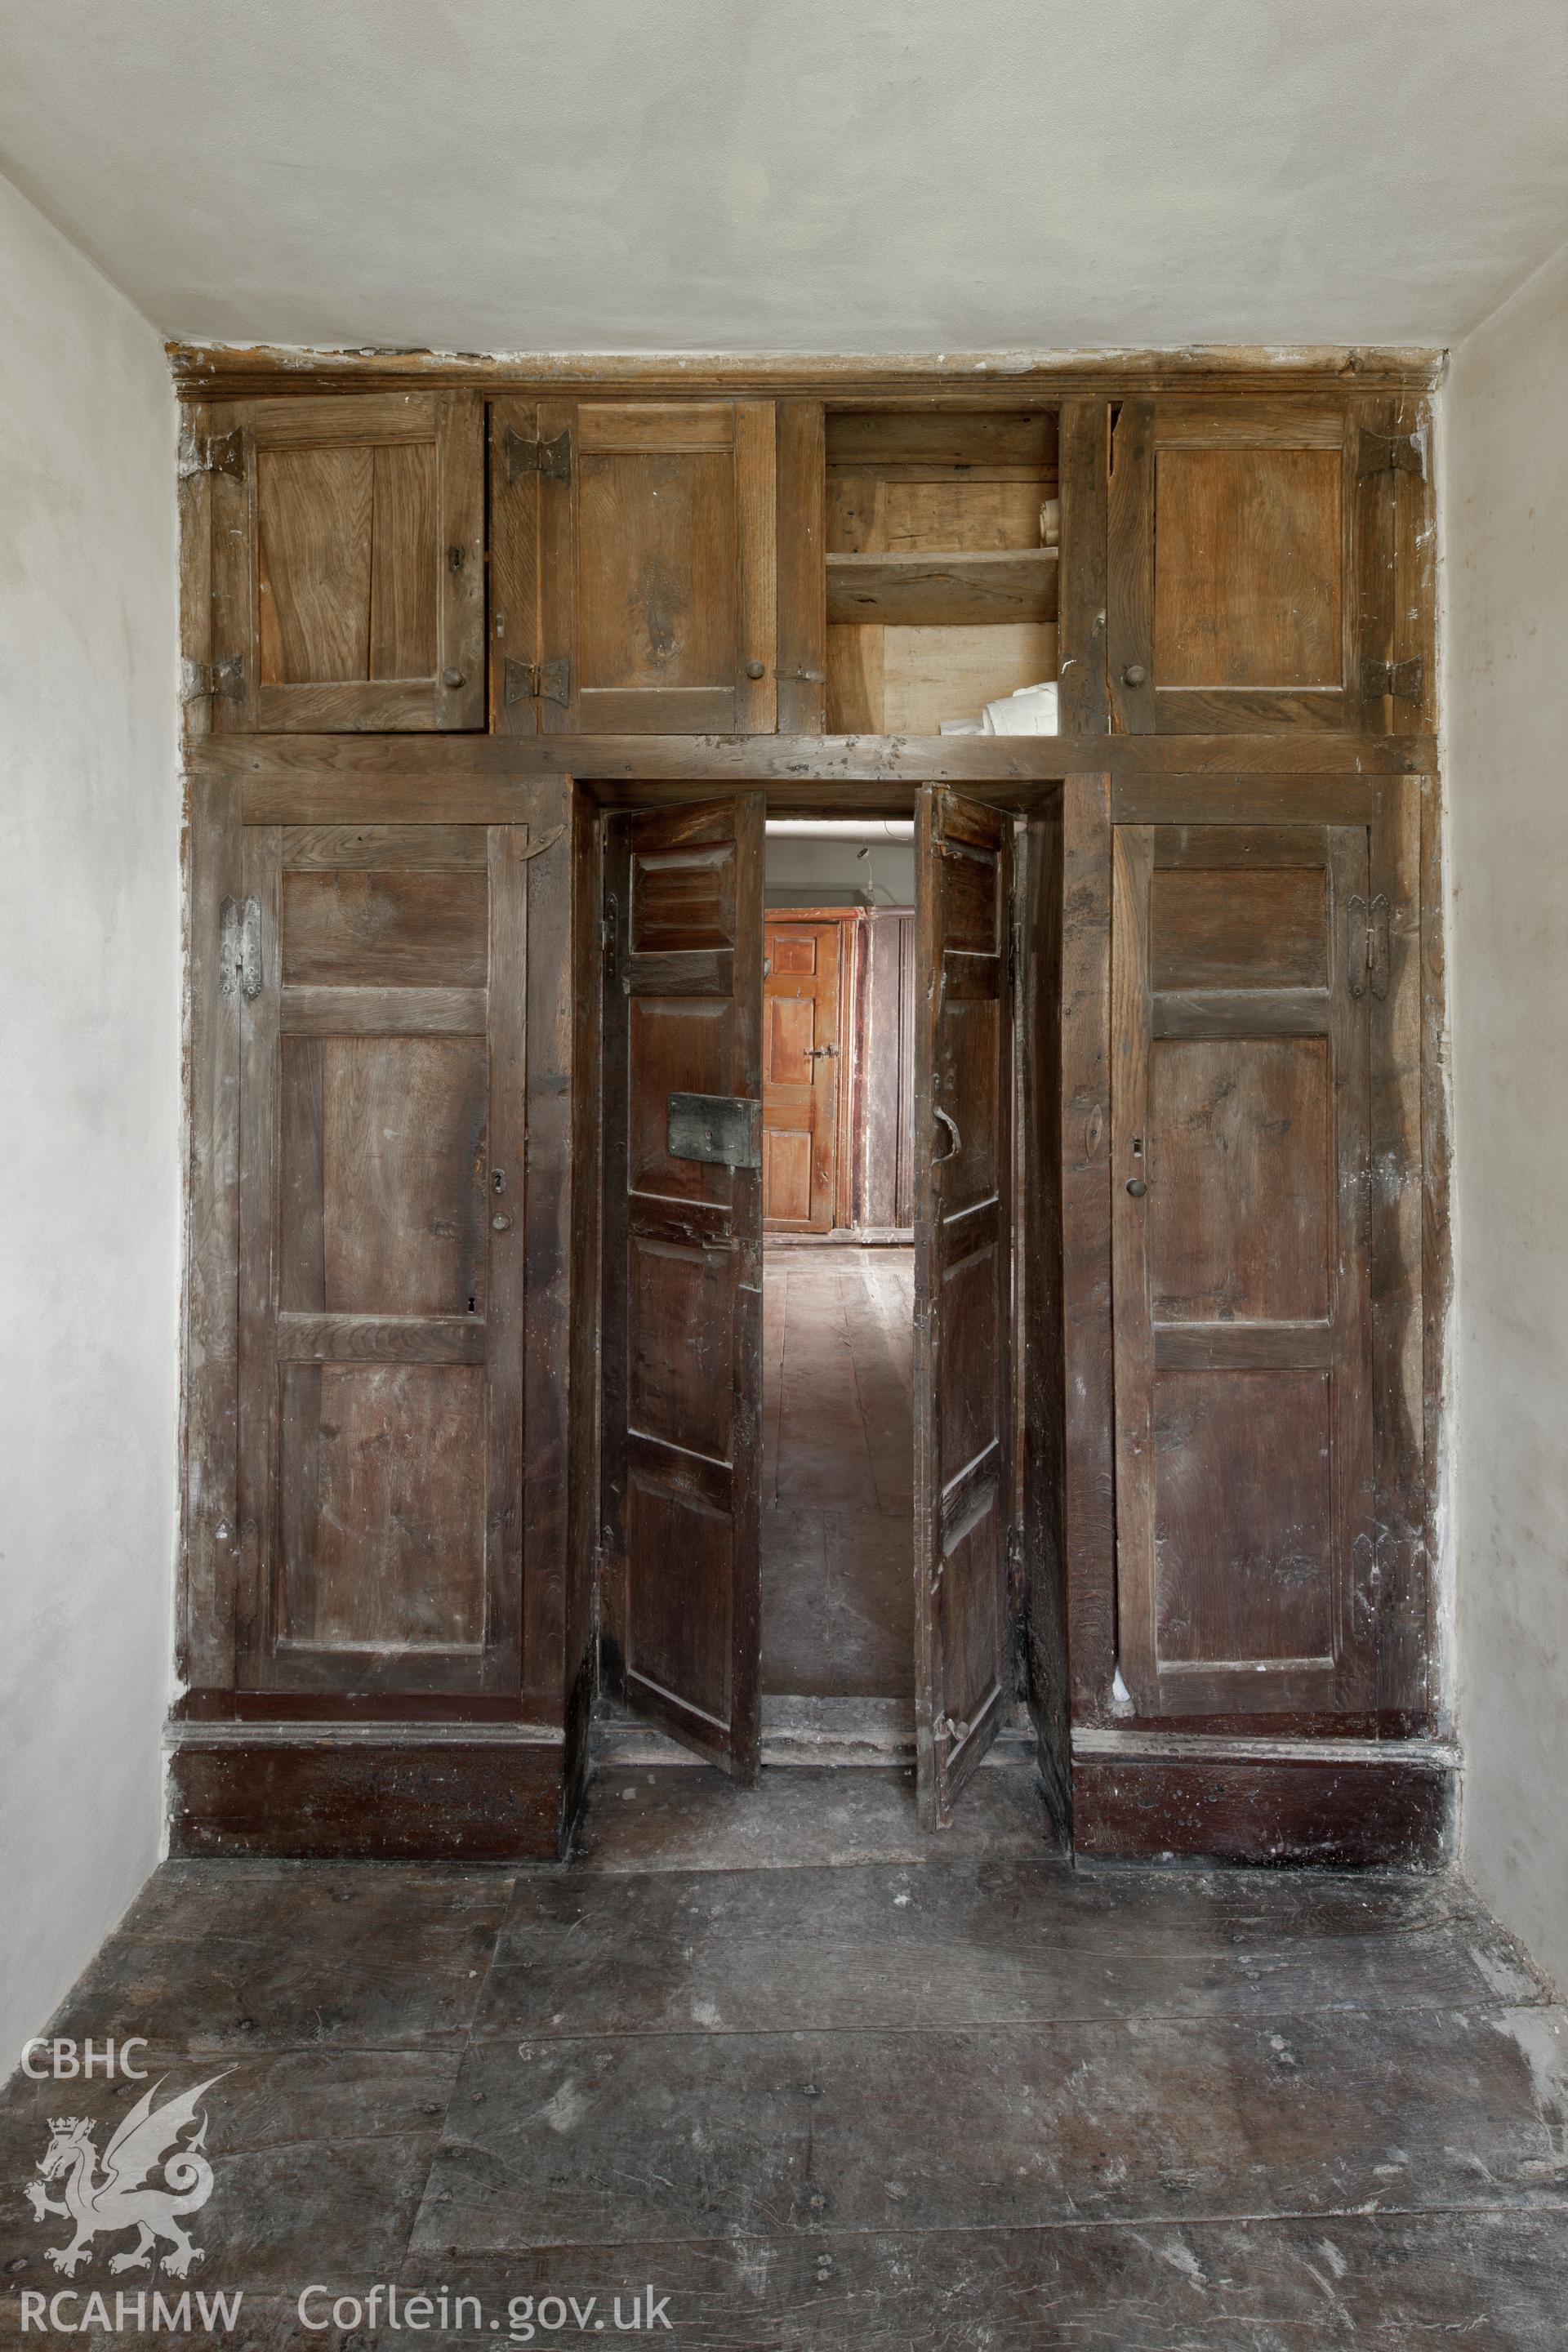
726	1131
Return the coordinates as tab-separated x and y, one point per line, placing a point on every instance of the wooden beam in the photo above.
944	591
977	379
483	779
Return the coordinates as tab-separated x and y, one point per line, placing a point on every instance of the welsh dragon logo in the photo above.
121	2200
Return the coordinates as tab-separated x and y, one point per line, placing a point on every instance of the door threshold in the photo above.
801	1732
842	1238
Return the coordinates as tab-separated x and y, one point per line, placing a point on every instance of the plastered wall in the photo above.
1506	531
835	873
89	1107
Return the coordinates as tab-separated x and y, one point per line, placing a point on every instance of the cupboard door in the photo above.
962	1289
349	562
1241	1168
800	1076
658	541
1231	528
381	1237
683	1247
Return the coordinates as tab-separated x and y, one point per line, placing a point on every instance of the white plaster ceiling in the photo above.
854	175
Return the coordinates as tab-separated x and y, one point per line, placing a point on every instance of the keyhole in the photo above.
472	1308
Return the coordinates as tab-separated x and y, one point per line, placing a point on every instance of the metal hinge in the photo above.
551	681
225	677
239	948
520	455
220	453
1403	679
1367	946
609	930
1390	453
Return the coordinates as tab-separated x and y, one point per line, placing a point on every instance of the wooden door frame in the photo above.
846	1073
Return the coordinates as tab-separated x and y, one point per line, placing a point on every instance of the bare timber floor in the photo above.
823	2084
837	1473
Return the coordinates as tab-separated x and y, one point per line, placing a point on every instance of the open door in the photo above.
963	1280
683	1282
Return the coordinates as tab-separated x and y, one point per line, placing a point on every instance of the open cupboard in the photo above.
491	681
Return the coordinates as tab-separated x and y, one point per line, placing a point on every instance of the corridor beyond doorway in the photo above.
837	1471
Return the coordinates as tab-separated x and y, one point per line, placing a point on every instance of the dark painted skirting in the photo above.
1339	1810
464	1794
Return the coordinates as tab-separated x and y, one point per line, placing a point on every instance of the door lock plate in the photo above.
724	1129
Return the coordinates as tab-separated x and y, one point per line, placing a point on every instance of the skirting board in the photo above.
408	1792
1338	1804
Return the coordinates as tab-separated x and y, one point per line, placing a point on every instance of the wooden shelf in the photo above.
1016	583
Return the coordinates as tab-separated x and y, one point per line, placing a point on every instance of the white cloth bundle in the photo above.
1032	710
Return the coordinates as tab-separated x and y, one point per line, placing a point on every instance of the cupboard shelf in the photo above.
944	591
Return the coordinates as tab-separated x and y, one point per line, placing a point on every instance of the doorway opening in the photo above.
838	1506
771	1479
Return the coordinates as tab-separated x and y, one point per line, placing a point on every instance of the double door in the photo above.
683	1231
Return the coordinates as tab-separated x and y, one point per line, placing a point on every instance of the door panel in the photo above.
382	1209
963	1287
801	990
681	1601
1231	535
658	581
1240	1109
348	551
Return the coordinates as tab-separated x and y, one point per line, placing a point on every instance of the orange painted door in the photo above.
800	1075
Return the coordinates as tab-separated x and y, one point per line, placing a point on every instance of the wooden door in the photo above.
348	563
802	983
1231	527
1246	961
381	973
683	1236
963	1283
658	574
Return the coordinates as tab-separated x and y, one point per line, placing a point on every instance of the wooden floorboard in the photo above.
1003	1943
837	1473
669	2135
653	1818
867	2090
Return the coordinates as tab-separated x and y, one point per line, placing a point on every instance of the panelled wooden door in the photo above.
659	570
802	985
381	1239
682	1340
1246	961
348	563
1232	608
962	1288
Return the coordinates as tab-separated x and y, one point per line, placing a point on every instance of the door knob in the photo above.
451	677
756	669
1134	674
1136	1187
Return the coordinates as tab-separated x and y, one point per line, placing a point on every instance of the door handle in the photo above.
957	1144
816	1053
